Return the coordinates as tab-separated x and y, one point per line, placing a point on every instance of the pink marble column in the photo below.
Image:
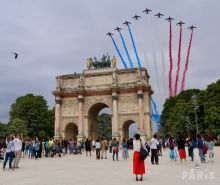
57	129
80	110
141	110
115	127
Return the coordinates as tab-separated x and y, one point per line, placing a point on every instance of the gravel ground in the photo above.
82	170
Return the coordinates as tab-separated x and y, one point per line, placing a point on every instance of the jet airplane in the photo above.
109	34
159	15
180	23
192	27
126	23
136	17
118	29
147	11
169	19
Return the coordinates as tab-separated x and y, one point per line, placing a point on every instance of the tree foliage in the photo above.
178	109
104	126
33	110
3	130
17	126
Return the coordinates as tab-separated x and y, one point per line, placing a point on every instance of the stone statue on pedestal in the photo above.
113	61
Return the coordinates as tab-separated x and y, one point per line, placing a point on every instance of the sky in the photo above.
55	37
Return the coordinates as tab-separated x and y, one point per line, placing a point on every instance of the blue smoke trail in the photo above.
155	115
122	59
126	50
135	50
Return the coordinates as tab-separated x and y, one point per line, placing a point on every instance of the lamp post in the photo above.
194	99
187	125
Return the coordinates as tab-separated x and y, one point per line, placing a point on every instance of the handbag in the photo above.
143	154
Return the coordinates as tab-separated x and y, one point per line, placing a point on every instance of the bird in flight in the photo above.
16	55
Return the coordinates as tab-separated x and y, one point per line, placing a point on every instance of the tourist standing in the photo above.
124	149
93	144
88	147
110	145
197	159
181	142
9	155
138	165
36	148
18	146
210	144
172	151
46	147
200	147
104	147
97	147
115	148
154	148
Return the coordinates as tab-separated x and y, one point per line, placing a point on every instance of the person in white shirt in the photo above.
97	147
154	154
17	146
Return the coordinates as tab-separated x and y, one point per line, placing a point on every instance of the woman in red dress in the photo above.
138	165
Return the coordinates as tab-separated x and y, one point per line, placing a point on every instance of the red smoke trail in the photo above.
178	63
187	62
171	62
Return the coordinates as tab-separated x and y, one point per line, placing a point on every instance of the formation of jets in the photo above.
147	11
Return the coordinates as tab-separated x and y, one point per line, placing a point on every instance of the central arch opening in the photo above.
100	124
129	129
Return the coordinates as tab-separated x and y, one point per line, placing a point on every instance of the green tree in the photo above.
104	126
212	108
17	126
3	129
177	109
34	111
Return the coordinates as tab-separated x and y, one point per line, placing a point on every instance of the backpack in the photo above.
171	146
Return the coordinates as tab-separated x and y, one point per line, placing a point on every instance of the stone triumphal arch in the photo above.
80	97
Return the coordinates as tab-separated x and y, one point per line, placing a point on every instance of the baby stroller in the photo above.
54	150
77	150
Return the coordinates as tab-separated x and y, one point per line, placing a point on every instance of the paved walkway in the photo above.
82	170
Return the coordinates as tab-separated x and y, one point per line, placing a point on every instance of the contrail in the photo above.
171	62
187	63
122	59
178	63
135	50
126	50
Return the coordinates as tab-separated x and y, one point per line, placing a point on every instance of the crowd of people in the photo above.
200	149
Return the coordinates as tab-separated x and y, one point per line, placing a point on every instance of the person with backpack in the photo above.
138	165
172	150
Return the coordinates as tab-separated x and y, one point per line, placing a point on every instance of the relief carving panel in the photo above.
70	108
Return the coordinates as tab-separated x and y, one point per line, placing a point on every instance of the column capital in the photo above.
58	101
80	99
114	97
140	95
